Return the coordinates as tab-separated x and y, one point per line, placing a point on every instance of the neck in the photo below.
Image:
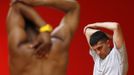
109	50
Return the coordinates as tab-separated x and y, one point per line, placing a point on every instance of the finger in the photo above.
36	44
12	2
30	46
23	1
40	48
43	49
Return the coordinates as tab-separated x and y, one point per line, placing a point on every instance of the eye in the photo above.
99	48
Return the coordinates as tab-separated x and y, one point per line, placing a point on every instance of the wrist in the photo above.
45	28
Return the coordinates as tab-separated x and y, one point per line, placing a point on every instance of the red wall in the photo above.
80	62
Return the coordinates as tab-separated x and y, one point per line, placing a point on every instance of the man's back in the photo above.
52	58
28	63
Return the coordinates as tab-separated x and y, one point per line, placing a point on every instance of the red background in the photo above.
80	62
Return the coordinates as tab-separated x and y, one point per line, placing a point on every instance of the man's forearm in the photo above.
108	25
30	13
64	5
88	32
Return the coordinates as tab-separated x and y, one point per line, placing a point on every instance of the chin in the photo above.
102	57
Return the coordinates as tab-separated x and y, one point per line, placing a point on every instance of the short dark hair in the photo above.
98	36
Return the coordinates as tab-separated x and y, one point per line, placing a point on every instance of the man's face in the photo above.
102	48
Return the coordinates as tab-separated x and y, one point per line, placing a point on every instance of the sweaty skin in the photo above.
53	58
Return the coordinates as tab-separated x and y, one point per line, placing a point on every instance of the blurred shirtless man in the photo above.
34	48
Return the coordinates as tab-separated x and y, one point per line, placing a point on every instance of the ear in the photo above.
108	43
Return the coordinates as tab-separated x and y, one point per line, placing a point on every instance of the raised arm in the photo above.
88	32
15	19
50	3
16	33
30	14
115	27
69	22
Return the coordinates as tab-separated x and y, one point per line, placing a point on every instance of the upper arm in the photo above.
15	26
67	26
16	37
88	32
18	44
118	37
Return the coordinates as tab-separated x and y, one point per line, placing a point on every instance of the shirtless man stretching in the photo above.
36	52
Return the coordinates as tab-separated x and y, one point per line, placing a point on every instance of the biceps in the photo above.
118	37
16	37
67	27
18	43
71	20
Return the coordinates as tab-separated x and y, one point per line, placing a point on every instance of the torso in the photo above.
111	65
